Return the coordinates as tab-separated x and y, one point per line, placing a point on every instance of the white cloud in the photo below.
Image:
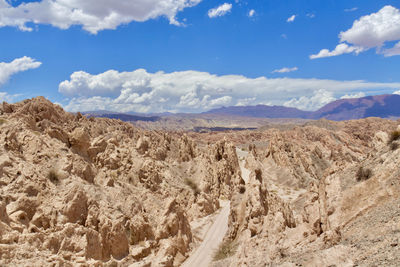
291	18
339	50
371	31
356	95
15	66
319	99
220	10
285	70
194	91
251	13
4	96
246	101
396	92
93	15
311	15
351	9
394	51
375	29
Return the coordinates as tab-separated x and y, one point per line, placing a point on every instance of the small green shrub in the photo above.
394	146
189	182
225	250
242	189
53	176
394	136
363	174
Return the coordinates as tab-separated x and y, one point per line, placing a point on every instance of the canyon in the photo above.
77	190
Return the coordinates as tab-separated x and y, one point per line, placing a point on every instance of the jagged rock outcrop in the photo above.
223	170
314	207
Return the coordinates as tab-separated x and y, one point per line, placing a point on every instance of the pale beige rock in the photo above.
99	192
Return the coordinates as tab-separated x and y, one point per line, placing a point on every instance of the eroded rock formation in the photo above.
77	190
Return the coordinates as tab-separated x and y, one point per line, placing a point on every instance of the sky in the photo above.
152	56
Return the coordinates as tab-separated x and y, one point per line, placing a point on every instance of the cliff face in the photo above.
78	190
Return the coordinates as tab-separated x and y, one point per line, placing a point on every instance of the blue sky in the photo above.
193	55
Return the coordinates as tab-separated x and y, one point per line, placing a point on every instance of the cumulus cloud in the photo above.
394	51
371	31
339	50
375	29
194	91
15	66
246	101
220	10
356	95
291	18
92	15
4	96
251	13
396	92
285	70
319	99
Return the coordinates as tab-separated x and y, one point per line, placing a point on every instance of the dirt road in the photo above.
202	257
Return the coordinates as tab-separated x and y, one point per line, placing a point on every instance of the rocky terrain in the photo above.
308	204
92	191
78	191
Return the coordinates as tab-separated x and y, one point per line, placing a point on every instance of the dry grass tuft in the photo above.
225	250
53	176
192	184
363	174
394	136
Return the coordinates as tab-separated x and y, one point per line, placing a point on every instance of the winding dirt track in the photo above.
202	257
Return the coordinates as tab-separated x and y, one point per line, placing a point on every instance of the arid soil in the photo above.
99	192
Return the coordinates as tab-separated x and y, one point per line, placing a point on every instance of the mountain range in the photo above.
383	106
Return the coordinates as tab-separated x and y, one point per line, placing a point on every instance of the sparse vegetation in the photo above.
53	176
242	189
394	146
225	250
192	184
2	121
363	174
394	136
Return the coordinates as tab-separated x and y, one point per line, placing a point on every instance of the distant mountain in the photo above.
383	106
262	111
